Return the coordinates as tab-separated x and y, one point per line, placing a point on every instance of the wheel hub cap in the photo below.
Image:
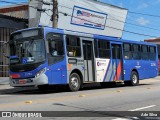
74	82
134	79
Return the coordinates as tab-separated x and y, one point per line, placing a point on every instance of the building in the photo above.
154	40
11	18
88	16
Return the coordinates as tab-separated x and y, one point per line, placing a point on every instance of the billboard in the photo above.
87	16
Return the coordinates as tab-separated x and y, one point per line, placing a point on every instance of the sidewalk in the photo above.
4	80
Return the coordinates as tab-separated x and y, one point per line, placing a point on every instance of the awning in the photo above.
12	22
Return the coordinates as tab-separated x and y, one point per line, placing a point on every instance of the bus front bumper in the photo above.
41	80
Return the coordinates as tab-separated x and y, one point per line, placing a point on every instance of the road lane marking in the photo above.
28	102
82	95
143	108
134	118
120	119
119	91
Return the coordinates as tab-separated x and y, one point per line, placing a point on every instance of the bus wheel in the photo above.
134	79
74	82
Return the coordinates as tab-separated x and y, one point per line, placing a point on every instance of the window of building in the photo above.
73	46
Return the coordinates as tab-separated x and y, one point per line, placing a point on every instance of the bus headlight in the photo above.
40	72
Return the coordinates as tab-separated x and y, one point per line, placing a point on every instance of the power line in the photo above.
17	4
144	14
63	5
43	10
47	3
115	19
109	26
65	14
12	2
119	12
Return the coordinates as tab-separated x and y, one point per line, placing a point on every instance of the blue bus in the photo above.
46	56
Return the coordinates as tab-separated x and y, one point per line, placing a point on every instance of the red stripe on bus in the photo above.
118	73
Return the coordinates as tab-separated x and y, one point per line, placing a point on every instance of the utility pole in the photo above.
55	14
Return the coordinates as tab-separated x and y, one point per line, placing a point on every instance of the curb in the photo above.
4	80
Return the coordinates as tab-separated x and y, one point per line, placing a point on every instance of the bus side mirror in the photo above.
14	59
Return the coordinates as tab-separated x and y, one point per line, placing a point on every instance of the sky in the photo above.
141	24
14	1
138	26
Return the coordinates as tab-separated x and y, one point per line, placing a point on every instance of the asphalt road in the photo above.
116	102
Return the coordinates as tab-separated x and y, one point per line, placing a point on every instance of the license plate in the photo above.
22	81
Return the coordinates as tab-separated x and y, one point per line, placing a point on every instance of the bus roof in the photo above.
82	34
121	40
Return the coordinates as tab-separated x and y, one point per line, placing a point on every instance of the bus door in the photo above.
88	61
117	62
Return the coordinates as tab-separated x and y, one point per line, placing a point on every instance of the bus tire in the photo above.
74	82
134	79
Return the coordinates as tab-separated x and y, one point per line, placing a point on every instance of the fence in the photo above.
4	48
3	70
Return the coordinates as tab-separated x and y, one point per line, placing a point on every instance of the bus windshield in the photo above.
27	51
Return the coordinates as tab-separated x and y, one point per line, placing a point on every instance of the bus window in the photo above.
136	50
95	48
103	49
127	51
159	58
152	53
159	64
144	52
55	46
73	46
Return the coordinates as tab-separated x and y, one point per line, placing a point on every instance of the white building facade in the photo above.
80	15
